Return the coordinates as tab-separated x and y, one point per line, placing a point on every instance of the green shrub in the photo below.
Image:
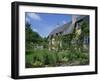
38	56
44	57
37	64
29	52
52	59
29	58
62	56
84	58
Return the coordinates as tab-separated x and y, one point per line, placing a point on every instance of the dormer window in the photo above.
60	32
56	34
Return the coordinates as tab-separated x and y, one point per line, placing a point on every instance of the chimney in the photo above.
74	17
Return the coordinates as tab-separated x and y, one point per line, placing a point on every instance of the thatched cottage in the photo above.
55	37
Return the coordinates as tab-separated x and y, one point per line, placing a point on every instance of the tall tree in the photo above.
32	37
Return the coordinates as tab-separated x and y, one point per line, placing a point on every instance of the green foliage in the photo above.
45	58
85	28
67	55
61	56
28	57
31	37
84	59
38	56
52	59
37	64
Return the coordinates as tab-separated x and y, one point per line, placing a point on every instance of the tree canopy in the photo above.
32	37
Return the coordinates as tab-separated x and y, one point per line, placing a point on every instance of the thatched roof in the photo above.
67	28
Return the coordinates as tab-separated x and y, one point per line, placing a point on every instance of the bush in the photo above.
52	59
29	58
28	65
62	57
84	58
44	57
37	64
38	56
29	52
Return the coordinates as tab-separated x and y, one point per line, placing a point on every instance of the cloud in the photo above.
34	16
64	22
35	30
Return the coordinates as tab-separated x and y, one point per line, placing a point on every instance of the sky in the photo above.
44	23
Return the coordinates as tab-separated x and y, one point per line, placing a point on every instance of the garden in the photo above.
46	58
37	53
